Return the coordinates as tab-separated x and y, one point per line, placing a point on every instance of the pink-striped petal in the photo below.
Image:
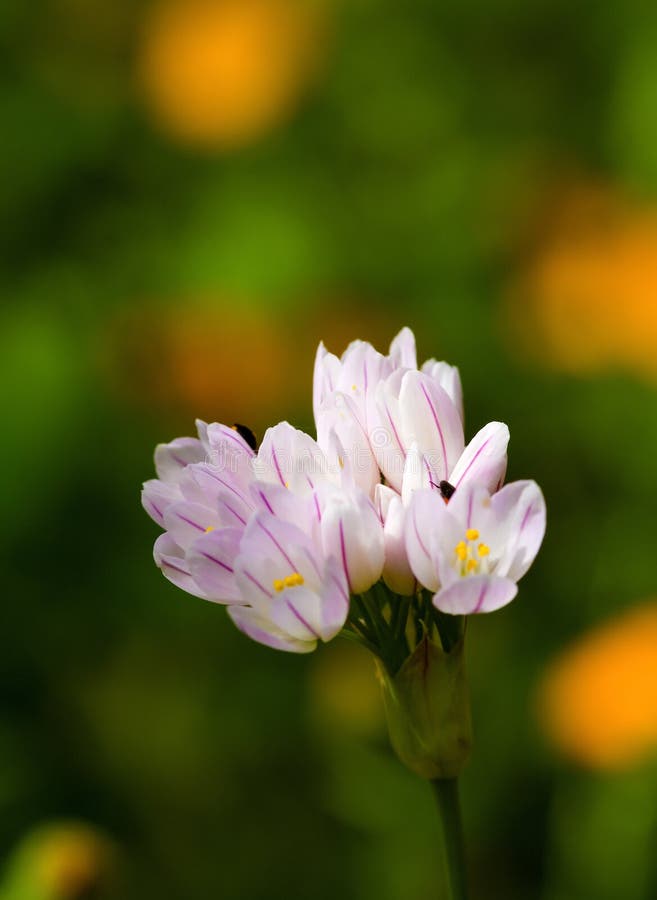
352	533
423	517
157	496
172	459
297	613
186	522
521	507
259	629
475	594
430	420
170	559
211	562
484	459
448	378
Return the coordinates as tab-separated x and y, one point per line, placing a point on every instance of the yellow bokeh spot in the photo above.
70	860
220	73
483	550
585	303
345	694
598	700
472	534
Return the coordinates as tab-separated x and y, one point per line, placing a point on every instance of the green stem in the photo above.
356	637
447	797
365	623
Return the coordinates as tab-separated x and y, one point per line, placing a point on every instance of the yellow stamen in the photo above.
287	484
472	534
209	529
461	550
293	580
471	565
483	549
341	462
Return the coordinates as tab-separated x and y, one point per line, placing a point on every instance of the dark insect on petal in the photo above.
247	435
446	489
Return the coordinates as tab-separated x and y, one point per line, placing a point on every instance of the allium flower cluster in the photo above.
385	522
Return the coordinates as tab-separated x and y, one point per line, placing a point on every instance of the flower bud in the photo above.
428	710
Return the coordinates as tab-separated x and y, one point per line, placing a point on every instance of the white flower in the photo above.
472	551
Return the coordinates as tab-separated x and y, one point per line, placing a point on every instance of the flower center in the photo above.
468	558
293	580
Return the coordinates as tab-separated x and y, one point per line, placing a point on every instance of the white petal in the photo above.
289	457
171	560
418	475
272	549
260	629
385	430
422	519
342	436
334	600
430	419
475	594
186	522
211	561
397	572
283	504
448	378
484	459
520	507
206	484
353	534
383	496
157	496
402	350
296	612
325	377
172	459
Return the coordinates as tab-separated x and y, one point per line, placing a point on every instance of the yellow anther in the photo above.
209	529
483	549
353	387
287	484
471	565
341	462
472	534
293	580
461	550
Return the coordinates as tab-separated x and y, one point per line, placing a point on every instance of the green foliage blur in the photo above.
148	278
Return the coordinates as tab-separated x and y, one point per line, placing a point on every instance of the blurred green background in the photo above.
192	195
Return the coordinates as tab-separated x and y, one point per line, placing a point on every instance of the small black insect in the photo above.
446	489
247	435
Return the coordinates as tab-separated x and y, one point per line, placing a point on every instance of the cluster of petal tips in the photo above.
385	528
